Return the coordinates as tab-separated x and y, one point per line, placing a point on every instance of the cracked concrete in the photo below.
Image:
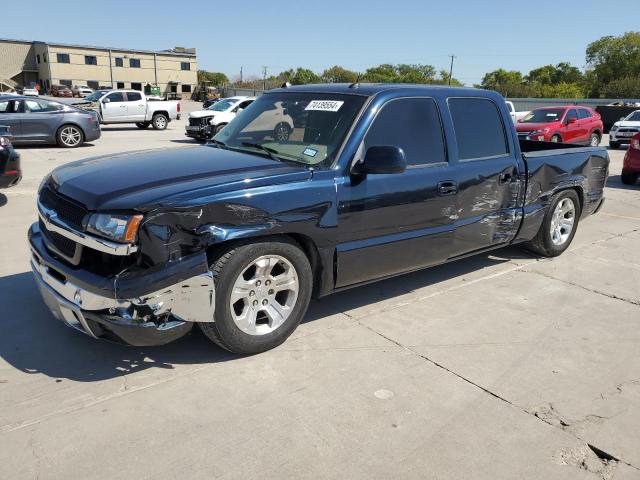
499	366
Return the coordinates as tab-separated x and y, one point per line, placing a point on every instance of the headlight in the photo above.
536	132
121	228
615	127
44	181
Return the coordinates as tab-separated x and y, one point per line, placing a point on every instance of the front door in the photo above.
136	107
571	131
488	176
395	223
115	109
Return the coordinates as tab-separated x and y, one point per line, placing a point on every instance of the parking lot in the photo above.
498	366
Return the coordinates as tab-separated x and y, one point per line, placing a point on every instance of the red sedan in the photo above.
568	124
631	165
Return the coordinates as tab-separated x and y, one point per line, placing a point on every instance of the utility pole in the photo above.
240	74
451	69
264	78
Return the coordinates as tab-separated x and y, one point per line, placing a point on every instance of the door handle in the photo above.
447	188
505	178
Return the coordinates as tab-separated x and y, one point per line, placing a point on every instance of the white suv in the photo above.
622	131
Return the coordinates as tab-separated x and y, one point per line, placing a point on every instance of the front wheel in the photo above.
159	121
556	139
594	140
263	290
143	125
629	178
558	226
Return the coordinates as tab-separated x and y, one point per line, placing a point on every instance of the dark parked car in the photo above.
60	91
238	235
10	173
42	121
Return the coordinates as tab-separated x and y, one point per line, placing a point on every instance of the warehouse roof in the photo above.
177	51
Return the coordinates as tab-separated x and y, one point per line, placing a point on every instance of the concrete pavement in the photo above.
498	366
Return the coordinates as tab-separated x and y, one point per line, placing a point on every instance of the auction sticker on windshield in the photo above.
324	105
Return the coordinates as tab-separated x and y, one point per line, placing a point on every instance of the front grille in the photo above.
67	210
64	245
631	130
194	122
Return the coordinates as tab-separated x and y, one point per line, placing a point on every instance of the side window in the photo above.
479	129
4	107
244	105
32	106
412	124
115	97
582	113
133	96
570	114
42	106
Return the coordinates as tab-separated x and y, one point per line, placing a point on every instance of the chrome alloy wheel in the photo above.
160	122
264	295
70	136
562	221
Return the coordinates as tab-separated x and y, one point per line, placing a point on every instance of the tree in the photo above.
563	72
337	74
217	78
507	82
622	88
385	73
613	58
300	76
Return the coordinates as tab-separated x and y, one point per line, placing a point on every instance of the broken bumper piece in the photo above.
136	309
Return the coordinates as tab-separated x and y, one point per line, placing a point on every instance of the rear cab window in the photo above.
133	96
478	127
412	124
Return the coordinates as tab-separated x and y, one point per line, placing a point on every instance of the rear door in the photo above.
398	222
115	110
10	116
488	172
136	106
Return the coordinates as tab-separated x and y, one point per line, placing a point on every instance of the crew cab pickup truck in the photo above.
131	106
238	235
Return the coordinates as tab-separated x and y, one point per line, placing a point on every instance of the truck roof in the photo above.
370	89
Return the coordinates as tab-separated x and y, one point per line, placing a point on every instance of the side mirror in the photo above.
239	110
622	118
381	160
571	120
106	100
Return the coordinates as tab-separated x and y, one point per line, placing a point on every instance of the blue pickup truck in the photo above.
237	236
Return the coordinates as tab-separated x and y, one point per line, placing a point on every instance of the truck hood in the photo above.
147	179
203	113
530	127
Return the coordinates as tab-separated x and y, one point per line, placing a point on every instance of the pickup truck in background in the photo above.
237	236
131	106
515	116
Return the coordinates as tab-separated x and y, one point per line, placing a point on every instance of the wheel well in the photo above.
598	132
161	112
580	194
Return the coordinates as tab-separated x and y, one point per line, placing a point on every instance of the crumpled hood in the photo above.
203	113
144	180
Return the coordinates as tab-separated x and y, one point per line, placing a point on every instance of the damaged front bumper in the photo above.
141	308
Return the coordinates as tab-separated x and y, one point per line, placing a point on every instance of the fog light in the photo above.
541	138
77	298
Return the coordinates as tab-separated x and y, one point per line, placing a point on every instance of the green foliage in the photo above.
628	87
613	59
559	81
337	74
218	78
301	76
550	75
406	73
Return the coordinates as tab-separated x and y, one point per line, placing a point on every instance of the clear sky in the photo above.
484	34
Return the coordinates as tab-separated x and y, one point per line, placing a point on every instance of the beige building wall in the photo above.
17	62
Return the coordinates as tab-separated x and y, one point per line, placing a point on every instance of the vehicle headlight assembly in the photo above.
119	228
614	128
536	132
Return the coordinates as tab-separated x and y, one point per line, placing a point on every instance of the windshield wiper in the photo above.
218	143
273	153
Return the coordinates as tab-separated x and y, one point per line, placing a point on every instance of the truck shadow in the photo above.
36	343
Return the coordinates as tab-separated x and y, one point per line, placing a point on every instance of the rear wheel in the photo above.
558	226
262	293
594	140
143	125
69	136
629	178
218	128
159	121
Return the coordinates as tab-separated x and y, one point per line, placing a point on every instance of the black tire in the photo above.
218	128
629	178
594	139
542	243
556	138
281	132
159	121
69	136
614	145
227	269
143	125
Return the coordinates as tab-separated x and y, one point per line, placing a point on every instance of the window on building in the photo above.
412	124
90	60
133	96
63	58
38	58
93	84
479	129
44	57
134	62
119	62
185	66
136	86
66	83
186	88
120	85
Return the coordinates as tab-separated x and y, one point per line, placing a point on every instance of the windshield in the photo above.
222	105
634	117
306	128
95	96
545	115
